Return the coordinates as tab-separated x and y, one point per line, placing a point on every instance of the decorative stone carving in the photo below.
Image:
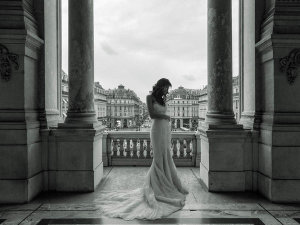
291	65
6	61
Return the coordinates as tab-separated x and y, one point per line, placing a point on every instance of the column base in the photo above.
79	165
250	120
79	181
226	154
21	172
220	119
81	118
81	125
14	191
279	191
222	181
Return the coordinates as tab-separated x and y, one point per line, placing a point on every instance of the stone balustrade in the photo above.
134	148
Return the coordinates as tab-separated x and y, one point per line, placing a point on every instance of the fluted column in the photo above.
219	59
81	62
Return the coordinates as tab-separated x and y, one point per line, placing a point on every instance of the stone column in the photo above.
223	142
278	52
79	165
219	58
251	17
21	172
81	63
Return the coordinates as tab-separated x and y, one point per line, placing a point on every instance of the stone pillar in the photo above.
81	63
79	139
48	15
21	172
223	142
278	52
219	63
251	14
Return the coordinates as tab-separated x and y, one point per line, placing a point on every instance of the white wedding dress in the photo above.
162	192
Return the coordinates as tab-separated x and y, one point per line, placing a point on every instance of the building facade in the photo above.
100	98
236	97
202	104
123	108
183	108
64	94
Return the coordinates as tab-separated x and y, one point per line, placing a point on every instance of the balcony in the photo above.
201	207
132	148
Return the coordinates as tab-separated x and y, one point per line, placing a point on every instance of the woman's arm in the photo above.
152	113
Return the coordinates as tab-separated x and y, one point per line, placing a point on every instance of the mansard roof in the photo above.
122	93
184	93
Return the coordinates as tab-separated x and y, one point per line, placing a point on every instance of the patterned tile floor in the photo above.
201	207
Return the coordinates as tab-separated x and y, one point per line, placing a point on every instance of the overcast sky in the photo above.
138	42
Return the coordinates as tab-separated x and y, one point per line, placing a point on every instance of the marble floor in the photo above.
201	206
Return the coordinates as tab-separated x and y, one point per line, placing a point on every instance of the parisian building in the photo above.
123	108
64	94
236	97
100	98
183	108
202	104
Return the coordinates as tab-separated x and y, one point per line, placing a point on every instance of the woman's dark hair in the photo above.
157	91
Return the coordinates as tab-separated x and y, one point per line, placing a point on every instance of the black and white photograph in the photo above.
150	112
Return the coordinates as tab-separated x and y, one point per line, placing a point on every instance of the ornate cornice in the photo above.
7	59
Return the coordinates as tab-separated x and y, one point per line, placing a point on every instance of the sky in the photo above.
137	42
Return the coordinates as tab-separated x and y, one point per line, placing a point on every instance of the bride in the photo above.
162	192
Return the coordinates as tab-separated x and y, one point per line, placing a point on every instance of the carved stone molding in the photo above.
291	65
6	61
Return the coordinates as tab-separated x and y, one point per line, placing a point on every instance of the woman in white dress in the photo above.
162	192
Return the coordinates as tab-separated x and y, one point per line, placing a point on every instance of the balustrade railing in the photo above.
135	148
